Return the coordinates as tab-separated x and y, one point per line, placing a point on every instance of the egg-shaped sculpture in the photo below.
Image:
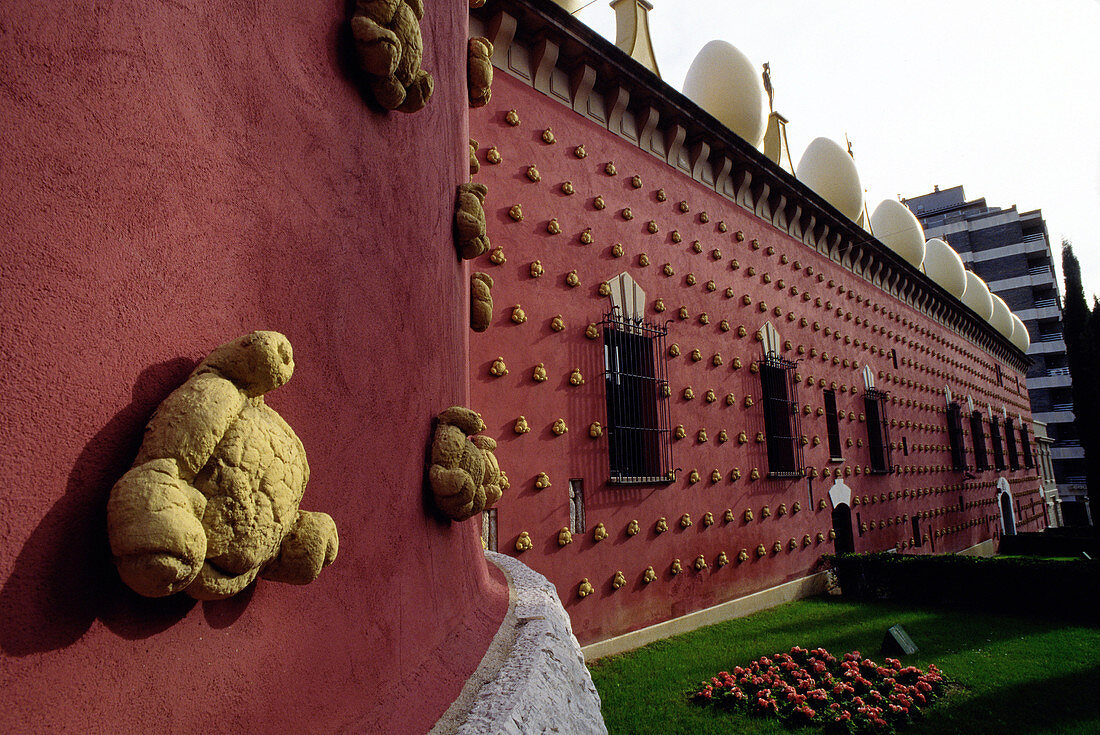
827	168
944	266
977	296
726	84
571	6
1020	337
898	229
1001	320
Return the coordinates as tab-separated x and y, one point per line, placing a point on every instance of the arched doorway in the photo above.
1004	503
840	495
845	542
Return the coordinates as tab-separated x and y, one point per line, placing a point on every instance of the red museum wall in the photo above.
172	178
575	455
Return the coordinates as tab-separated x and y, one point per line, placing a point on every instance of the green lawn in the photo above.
1018	675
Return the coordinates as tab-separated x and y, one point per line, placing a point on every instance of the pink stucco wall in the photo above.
173	176
940	358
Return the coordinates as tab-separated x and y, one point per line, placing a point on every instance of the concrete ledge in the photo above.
983	548
532	679
815	584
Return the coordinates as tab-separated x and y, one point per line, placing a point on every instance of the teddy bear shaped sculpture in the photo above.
390	47
464	474
212	499
479	71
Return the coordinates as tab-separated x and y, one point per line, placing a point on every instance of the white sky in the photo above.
1002	97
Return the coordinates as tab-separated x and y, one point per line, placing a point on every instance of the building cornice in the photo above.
540	44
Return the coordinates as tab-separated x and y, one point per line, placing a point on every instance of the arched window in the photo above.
781	415
636	381
1025	442
977	434
878	432
995	435
955	436
1010	440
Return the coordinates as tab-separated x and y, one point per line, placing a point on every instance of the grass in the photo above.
1018	675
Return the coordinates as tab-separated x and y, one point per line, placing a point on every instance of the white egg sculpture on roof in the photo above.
1020	337
827	168
1002	317
726	84
977	296
898	229
572	6
944	266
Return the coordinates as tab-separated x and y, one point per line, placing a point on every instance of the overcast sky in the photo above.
1001	97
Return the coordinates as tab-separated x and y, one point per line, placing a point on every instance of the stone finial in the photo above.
632	31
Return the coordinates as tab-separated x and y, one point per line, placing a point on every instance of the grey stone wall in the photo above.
532	679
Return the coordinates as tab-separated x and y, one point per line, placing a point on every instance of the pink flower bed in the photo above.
850	695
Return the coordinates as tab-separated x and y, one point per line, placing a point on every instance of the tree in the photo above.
1081	330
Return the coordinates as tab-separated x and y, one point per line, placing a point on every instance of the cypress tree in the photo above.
1080	329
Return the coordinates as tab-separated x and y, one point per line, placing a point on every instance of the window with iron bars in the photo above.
878	434
955	437
781	416
998	450
1025	442
832	426
636	378
977	433
1010	440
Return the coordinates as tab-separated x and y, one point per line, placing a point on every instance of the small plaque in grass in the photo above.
897	642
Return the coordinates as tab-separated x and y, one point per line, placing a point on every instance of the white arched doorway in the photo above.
840	496
1008	511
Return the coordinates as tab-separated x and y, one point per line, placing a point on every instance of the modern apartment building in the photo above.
1010	251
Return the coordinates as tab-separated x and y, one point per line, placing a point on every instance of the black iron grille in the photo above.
995	435
878	432
639	438
1010	440
955	437
1025	442
781	416
832	425
977	433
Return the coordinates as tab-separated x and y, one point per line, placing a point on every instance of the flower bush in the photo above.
849	695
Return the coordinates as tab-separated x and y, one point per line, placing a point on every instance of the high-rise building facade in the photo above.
1010	251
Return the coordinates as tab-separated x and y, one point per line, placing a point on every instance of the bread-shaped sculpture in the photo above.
212	499
464	474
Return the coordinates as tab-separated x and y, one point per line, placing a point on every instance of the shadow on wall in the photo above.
64	578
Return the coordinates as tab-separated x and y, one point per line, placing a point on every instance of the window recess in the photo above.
1025	442
576	506
998	450
832	425
1010	440
955	437
977	433
878	433
781	416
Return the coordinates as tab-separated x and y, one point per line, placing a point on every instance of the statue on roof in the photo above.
768	86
